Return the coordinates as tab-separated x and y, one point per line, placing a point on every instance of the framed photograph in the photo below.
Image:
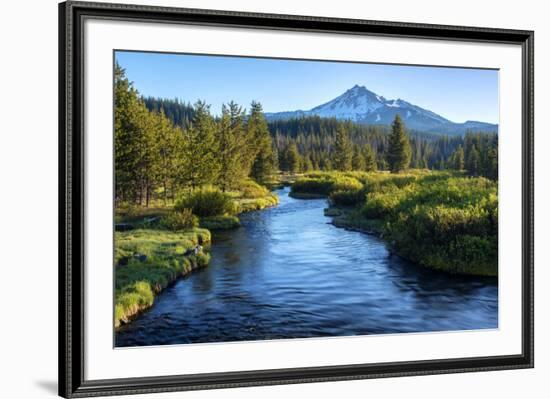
253	199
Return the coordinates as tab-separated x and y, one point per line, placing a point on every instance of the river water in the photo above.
288	273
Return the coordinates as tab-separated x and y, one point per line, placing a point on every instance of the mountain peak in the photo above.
363	106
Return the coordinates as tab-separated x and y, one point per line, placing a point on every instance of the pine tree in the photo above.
199	164
343	153
168	143
230	151
293	158
458	159
262	166
492	158
472	162
358	159
399	151
370	158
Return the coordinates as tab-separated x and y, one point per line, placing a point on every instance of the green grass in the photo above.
138	281
440	220
224	222
256	204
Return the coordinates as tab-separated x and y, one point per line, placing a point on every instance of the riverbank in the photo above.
440	220
149	260
352	219
154	245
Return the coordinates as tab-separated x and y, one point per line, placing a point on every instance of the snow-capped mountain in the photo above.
361	105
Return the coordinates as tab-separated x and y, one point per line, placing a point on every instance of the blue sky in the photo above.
458	94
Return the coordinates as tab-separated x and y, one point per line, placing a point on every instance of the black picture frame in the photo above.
71	199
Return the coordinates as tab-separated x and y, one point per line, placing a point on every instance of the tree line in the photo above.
156	157
308	143
313	143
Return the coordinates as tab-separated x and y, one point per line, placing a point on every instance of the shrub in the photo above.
220	222
251	189
345	183
321	185
207	201
254	204
325	183
347	197
383	203
179	220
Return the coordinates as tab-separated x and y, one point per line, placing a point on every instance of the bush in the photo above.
347	197
325	183
220	222
255	204
309	185
179	220
345	183
207	201
251	189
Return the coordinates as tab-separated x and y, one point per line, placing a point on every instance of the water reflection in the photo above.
287	273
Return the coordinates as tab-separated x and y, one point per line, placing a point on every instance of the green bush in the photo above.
207	201
223	222
179	220
347	197
310	185
325	183
255	204
251	189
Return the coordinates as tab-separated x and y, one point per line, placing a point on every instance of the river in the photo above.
288	273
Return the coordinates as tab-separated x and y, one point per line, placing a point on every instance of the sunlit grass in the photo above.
147	261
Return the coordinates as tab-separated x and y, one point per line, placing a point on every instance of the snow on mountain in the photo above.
361	105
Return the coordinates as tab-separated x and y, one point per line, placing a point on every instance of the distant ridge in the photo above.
362	106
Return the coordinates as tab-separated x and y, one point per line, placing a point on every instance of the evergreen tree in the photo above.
370	158
343	153
458	159
472	162
399	151
358	160
292	158
382	164
168	143
492	158
229	156
262	166
199	164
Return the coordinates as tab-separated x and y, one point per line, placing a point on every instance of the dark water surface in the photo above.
287	273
